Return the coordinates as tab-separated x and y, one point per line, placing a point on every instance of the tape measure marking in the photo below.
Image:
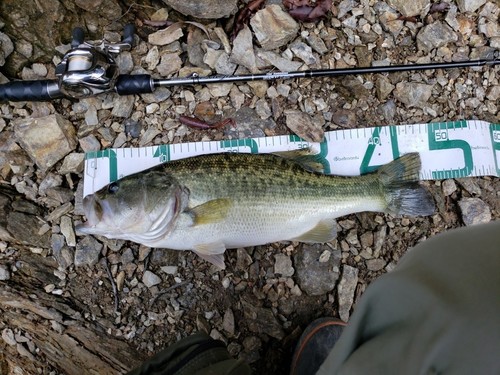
448	150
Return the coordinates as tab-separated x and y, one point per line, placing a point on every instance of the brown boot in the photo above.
315	344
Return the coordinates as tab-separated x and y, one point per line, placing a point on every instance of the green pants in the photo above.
438	312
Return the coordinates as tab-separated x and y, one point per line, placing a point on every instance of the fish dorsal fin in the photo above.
212	211
305	157
324	231
212	252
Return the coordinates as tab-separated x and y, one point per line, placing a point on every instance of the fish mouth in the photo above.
93	211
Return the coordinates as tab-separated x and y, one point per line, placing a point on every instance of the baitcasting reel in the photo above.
89	69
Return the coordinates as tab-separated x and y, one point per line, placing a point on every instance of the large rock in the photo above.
303	125
474	211
6	47
413	94
470	5
410	8
273	27
435	35
211	9
46	139
346	289
316	273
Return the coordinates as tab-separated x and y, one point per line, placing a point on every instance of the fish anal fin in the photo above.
324	231
212	252
212	211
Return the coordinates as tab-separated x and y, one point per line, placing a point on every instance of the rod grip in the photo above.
134	84
18	91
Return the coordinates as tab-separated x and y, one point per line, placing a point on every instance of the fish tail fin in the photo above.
404	195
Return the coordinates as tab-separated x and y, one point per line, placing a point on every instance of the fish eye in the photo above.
112	188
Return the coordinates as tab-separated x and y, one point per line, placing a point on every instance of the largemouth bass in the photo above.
210	203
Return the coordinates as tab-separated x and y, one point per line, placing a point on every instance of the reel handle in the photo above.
78	37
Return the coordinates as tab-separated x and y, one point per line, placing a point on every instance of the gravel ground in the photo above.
267	294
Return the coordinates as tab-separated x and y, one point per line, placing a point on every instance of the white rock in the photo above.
150	279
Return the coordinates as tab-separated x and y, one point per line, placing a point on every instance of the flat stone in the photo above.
243	259
490	29
449	187
273	27
413	94
259	88
125	62
123	106
228	322
87	252
72	163
470	5
8	337
68	231
262	320
317	43
302	124
224	65
170	63
375	264
316	275
474	211
170	270
220	89
4	272
90	143
281	63
346	289
91	118
470	185
165	36
243	53
435	35
46	139
150	279
262	109
410	8
152	58
303	52
211	57
6	47
127	256
283	265
159	95
383	86
248	124
210	9
388	110
345	7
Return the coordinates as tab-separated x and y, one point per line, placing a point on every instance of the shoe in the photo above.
315	345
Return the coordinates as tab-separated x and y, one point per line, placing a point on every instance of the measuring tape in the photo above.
447	150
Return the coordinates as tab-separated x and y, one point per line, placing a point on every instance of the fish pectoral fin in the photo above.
212	211
212	252
324	231
305	157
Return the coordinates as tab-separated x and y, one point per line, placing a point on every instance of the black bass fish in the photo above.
210	203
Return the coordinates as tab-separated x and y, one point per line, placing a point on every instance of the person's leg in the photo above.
197	354
438	312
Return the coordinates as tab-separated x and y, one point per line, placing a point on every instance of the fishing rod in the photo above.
89	69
